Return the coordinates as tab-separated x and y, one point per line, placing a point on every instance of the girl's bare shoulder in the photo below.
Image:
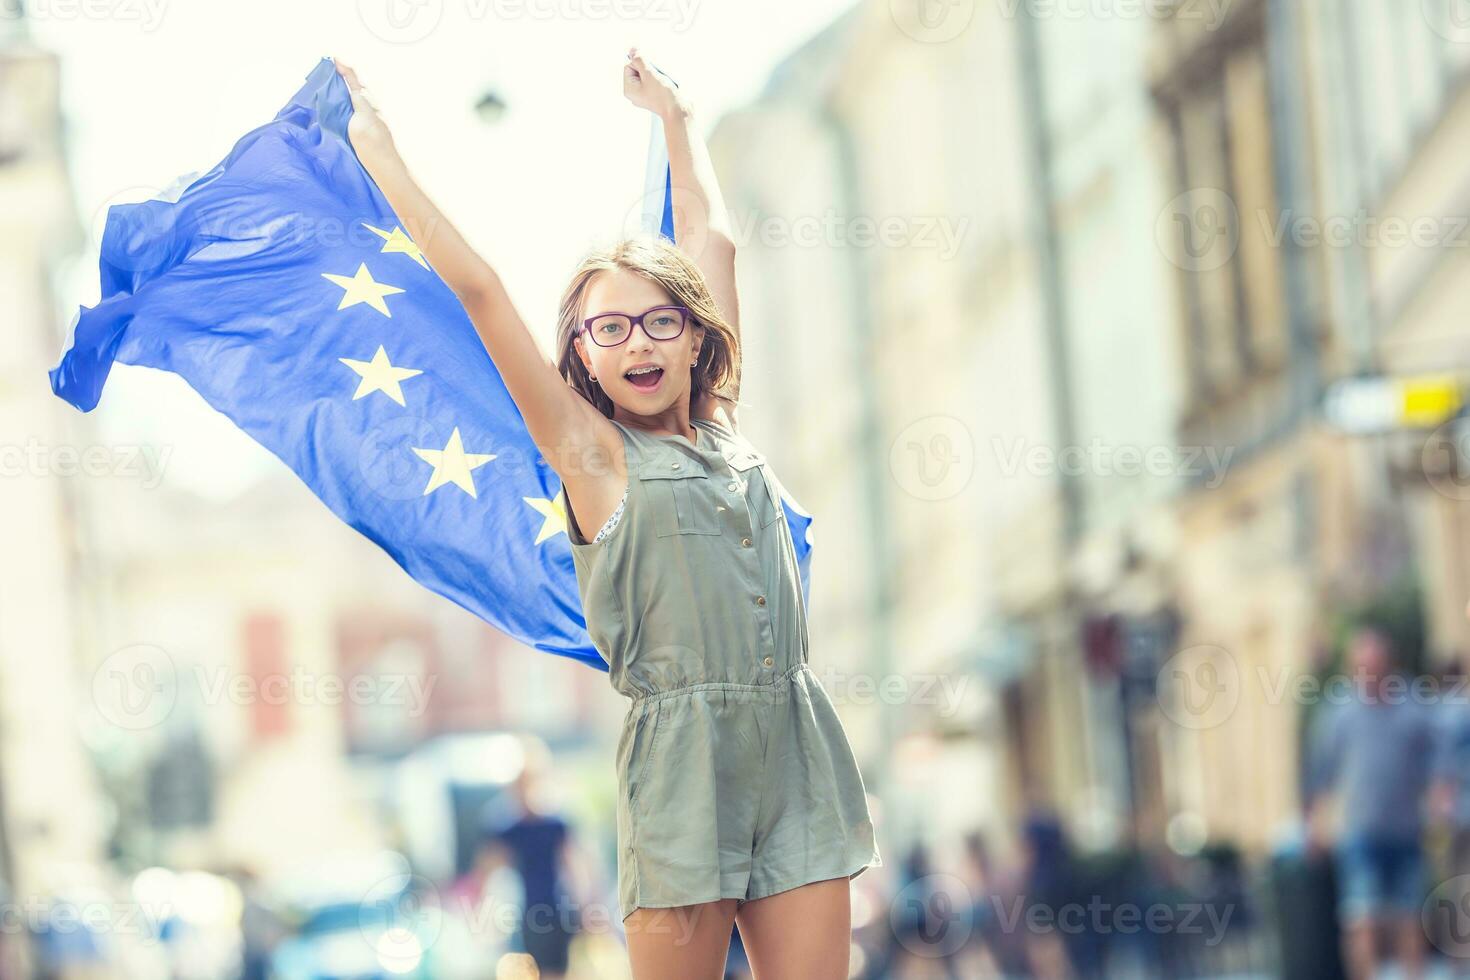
717	409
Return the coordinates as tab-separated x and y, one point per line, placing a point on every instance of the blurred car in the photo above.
363	918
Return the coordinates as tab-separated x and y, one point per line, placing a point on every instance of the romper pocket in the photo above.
679	491
642	751
765	499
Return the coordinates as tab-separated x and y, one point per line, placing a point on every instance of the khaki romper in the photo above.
735	776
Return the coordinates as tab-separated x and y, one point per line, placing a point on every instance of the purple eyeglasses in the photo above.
660	323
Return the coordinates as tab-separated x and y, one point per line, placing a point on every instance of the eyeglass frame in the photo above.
637	321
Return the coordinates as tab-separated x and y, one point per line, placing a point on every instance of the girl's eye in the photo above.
664	320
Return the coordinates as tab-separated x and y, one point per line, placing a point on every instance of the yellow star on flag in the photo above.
379	375
555	512
397	241
453	465
363	288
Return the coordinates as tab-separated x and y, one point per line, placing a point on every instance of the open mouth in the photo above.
646	380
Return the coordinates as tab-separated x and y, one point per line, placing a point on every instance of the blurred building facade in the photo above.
1132	338
1296	136
51	817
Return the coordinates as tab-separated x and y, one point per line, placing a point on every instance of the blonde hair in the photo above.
661	263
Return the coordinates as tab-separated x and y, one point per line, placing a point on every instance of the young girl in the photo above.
739	797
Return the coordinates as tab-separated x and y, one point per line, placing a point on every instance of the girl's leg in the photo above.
685	943
801	934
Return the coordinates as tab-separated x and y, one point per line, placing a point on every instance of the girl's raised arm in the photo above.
562	423
701	224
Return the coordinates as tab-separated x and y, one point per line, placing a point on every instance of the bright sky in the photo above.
158	88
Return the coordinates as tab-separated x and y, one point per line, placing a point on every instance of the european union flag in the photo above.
282	288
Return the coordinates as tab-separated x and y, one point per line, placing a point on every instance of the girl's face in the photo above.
620	291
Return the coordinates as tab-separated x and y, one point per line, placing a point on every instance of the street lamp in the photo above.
490	107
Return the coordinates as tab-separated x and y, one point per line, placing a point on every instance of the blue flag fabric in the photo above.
282	288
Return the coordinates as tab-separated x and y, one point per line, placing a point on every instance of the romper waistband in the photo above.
779	685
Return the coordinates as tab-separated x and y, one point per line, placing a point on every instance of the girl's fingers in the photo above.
349	76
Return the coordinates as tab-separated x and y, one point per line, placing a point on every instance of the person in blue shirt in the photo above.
537	844
1376	749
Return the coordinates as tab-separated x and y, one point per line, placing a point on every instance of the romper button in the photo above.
745	542
674	465
733	486
760	600
768	661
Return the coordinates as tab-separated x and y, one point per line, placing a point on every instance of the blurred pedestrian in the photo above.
976	958
537	844
923	921
1048	876
1375	748
260	929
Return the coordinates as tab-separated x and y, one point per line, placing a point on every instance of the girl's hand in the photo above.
366	129
648	88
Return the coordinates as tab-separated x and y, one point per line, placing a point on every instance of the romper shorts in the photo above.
737	791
